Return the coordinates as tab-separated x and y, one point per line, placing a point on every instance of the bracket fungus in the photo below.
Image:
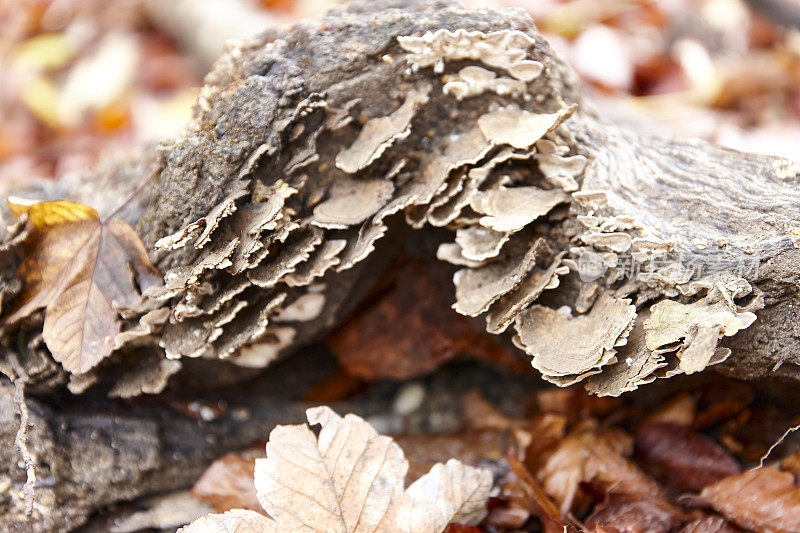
568	349
695	328
268	211
379	133
474	81
518	127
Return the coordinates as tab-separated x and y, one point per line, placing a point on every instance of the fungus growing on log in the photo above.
265	217
246	231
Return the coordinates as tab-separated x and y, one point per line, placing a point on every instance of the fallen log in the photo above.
611	258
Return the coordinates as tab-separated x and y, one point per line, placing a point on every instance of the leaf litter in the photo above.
574	463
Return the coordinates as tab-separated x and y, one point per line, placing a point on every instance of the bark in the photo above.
277	130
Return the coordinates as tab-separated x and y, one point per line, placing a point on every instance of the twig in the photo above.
21	439
776	443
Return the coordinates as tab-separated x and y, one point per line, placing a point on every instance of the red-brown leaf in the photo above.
682	458
228	482
646	514
765	499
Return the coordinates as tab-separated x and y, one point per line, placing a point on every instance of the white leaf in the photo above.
234	521
451	492
348	481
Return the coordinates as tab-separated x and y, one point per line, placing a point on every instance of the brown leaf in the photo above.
682	458
653	515
350	478
228	482
791	463
722	400
425	332
538	503
679	410
709	524
511	508
575	403
765	499
450	492
480	414
81	270
588	455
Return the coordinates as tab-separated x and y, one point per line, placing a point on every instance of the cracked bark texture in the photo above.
314	146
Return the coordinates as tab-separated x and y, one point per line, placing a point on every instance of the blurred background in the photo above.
82	78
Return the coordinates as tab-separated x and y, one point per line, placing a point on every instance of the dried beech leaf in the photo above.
470	447
228	482
425	332
653	515
709	524
233	521
589	455
81	270
427	507
772	499
350	476
350	479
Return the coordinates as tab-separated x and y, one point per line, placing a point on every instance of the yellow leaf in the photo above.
43	214
81	270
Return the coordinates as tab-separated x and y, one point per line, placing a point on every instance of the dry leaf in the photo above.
450	492
709	524
653	515
234	521
162	512
765	499
81	270
350	475
681	458
537	501
228	482
350	479
425	333
461	528
589	455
